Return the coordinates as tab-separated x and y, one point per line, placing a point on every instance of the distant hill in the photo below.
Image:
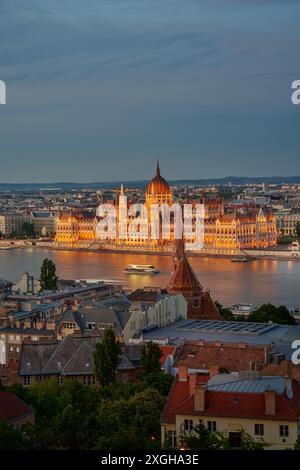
235	180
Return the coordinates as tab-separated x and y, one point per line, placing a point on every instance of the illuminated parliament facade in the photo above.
240	228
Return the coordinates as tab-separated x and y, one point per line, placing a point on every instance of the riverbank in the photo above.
278	254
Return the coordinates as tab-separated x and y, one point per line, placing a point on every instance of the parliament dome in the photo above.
158	185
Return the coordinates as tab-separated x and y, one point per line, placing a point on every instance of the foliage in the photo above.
28	230
150	358
48	278
134	421
159	381
286	240
268	312
12	437
75	416
225	313
297	444
202	439
107	357
297	229
264	314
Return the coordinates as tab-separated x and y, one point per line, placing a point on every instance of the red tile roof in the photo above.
228	404
11	407
233	356
183	278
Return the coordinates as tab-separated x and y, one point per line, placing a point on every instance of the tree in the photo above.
297	444
48	278
159	381
268	312
134	421
11	438
106	358
28	230
202	439
225	313
150	358
297	229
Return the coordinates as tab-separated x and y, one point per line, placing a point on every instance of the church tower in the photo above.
184	280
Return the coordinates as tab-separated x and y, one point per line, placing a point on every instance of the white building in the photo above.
11	222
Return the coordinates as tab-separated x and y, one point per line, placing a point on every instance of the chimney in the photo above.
270	402
213	370
200	393
182	373
192	383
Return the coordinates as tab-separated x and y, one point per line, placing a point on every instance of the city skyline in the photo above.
206	87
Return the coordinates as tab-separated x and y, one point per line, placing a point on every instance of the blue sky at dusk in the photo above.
98	89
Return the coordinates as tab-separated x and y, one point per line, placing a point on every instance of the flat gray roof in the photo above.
227	332
233	383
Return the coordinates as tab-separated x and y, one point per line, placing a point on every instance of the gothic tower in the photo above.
184	280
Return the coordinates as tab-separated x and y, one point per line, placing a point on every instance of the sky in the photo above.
97	90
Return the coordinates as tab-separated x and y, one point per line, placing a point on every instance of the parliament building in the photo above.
226	228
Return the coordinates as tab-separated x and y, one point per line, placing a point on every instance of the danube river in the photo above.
255	282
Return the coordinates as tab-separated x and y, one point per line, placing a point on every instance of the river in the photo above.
255	282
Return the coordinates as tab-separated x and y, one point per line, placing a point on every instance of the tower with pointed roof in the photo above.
184	280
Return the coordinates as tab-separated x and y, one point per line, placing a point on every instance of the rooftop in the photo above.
11	407
236	383
240	398
227	332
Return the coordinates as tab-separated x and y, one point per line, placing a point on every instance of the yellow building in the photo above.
266	408
244	229
73	228
254	229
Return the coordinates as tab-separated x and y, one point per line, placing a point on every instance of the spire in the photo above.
184	280
157	168
122	188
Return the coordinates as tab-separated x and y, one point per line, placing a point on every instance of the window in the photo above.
17	349
26	380
283	430
259	429
89	380
188	425
173	439
212	426
11	349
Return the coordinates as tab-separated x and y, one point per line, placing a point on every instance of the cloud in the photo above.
136	77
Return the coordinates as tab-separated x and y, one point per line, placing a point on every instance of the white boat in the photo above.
141	269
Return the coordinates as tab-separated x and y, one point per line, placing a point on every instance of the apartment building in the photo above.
11	222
